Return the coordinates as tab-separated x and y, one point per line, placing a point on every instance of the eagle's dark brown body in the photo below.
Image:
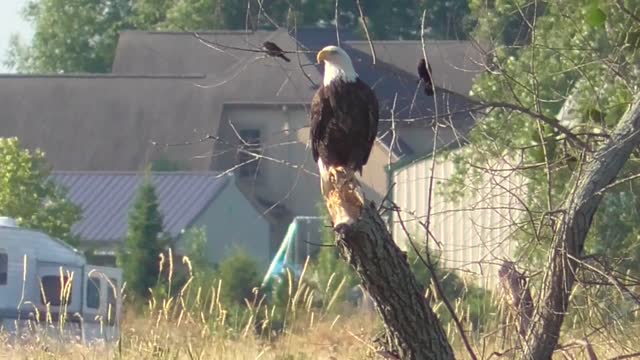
344	124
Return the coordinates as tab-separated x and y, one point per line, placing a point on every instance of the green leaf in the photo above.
595	16
28	195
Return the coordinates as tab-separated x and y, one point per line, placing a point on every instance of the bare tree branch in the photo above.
428	263
618	182
627	11
337	14
366	31
545	119
627	356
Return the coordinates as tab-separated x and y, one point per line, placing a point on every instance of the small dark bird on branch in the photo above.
274	50
425	75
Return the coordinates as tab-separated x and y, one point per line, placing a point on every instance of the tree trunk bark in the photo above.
572	232
412	329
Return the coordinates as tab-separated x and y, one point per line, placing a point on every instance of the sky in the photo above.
10	23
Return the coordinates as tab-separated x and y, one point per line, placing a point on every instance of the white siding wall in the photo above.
475	233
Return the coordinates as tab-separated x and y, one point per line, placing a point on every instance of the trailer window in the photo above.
93	293
4	267
55	291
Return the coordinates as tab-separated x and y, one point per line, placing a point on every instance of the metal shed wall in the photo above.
475	231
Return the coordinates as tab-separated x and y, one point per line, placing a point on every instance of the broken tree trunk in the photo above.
413	331
572	232
515	288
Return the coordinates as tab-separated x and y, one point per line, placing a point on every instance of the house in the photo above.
44	281
209	105
186	200
472	234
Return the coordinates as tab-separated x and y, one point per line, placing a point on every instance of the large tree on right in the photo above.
561	103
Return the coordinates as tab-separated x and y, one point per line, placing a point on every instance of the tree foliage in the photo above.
195	243
562	79
143	244
574	62
71	35
238	274
476	302
81	35
28	195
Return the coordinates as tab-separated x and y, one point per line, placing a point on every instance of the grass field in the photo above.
195	323
347	337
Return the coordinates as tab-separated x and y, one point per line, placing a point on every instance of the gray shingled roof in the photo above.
106	197
107	122
87	122
397	89
454	64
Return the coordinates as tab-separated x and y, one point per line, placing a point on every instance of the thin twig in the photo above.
545	119
616	183
337	26
220	47
426	59
366	31
627	356
386	196
434	276
262	11
435	131
393	128
627	11
295	35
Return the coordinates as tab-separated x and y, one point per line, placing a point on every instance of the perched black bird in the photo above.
274	50
425	75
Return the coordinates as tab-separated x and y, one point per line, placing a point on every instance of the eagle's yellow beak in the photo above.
322	54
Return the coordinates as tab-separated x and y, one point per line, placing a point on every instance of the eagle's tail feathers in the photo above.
325	178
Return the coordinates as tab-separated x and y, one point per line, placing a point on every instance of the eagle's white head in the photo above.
337	65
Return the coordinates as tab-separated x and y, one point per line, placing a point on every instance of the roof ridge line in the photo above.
134	172
407	41
107	76
190	33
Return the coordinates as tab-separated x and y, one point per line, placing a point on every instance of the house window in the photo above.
4	267
93	293
249	145
55	290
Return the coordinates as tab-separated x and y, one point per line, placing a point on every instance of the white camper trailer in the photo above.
46	282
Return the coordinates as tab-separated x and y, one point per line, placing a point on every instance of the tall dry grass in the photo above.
193	323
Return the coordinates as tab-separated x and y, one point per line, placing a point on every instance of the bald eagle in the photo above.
343	117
